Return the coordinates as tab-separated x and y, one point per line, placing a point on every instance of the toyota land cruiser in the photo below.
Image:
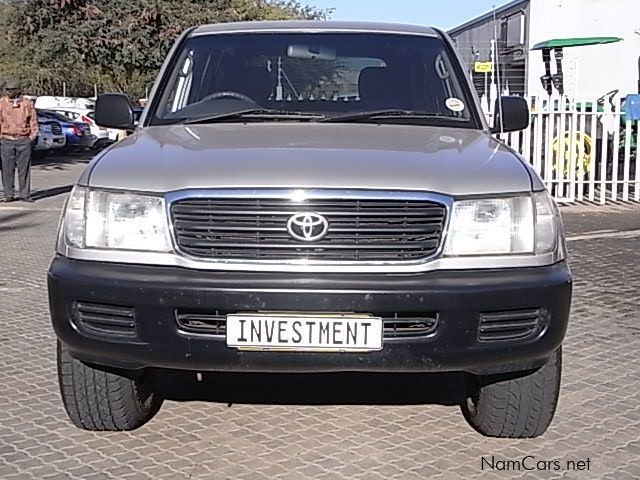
311	197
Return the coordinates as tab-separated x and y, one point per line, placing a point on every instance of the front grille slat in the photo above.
108	321
508	326
362	230
325	246
252	213
104	309
403	326
196	227
210	324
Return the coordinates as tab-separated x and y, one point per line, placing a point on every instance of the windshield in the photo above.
314	77
56	116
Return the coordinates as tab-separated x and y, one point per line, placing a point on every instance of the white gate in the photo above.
583	150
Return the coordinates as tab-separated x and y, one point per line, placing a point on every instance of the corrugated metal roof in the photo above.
488	16
313	26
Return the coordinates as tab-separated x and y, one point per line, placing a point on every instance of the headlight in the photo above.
502	226
491	227
116	220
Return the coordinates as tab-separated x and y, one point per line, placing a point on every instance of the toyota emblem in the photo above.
307	226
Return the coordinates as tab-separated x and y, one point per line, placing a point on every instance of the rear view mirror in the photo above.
309	52
511	115
114	110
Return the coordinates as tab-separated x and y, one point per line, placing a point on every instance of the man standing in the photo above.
18	131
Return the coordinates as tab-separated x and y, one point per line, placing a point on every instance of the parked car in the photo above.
104	136
78	134
81	110
44	140
50	136
237	230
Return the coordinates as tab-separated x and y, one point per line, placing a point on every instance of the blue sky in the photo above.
439	13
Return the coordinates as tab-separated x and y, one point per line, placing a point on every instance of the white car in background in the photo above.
80	110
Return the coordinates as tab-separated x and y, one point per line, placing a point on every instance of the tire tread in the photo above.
517	408
102	401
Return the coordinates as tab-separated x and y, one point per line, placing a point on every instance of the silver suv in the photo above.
311	197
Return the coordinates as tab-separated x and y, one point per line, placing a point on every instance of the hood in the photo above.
311	155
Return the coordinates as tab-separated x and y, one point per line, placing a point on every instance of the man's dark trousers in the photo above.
16	154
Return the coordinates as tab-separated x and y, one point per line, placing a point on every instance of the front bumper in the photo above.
459	298
43	143
58	142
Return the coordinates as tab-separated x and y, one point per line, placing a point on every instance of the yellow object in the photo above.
582	153
483	67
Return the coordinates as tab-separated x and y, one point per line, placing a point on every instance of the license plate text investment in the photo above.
299	333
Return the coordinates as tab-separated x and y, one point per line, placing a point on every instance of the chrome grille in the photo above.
360	230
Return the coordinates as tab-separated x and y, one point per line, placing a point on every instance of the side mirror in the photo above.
515	115
114	110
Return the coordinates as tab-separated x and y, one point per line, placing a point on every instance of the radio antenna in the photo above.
497	59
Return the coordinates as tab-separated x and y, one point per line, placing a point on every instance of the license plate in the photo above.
313	332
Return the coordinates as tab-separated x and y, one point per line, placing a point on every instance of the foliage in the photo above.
118	44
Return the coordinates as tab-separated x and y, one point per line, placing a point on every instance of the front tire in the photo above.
520	407
97	400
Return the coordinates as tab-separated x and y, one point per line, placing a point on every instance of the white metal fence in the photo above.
583	150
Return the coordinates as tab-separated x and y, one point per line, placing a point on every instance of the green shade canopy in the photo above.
575	42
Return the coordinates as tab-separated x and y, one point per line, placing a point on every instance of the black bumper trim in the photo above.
459	297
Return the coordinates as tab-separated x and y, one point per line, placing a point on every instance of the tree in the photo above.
118	44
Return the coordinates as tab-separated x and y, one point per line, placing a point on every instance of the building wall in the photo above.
594	70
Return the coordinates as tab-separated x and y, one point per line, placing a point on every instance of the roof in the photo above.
312	26
575	42
489	16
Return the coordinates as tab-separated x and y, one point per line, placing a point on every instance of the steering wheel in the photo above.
228	94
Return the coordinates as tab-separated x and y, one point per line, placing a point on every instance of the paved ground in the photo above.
376	427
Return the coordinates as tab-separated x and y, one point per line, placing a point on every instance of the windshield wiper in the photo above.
255	114
392	115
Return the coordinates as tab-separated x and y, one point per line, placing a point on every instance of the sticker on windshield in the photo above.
454	104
